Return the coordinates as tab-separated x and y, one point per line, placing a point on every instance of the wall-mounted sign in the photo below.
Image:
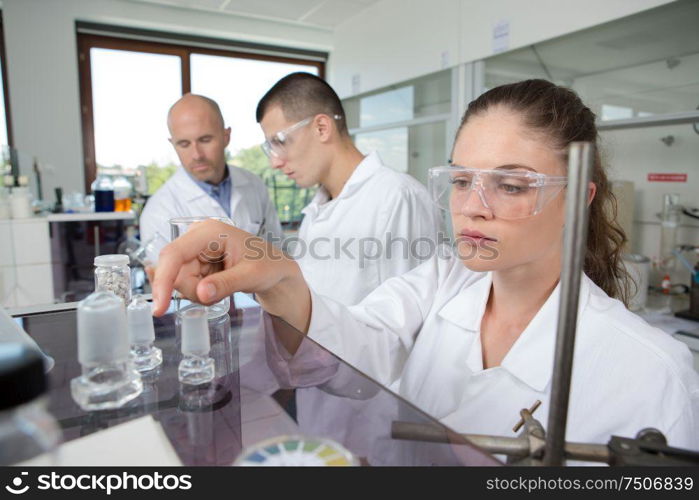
501	36
667	177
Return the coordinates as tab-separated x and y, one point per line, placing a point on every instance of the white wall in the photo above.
43	72
392	41
396	40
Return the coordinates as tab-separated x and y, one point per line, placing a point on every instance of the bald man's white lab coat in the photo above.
180	196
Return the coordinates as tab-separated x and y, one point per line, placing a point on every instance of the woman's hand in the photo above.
212	260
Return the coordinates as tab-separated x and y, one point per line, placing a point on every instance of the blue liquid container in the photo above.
103	190
104	201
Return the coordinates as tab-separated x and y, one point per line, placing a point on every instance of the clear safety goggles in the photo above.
275	147
508	194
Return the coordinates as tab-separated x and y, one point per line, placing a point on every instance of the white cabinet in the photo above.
25	262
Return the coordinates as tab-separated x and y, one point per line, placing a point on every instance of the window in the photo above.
237	84
129	112
128	85
392	144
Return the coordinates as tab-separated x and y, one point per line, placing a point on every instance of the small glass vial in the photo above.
112	274
144	355
108	380
196	366
28	432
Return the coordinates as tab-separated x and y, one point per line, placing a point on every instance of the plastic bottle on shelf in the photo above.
122	194
20	200
103	191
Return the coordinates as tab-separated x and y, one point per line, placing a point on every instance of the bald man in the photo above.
205	185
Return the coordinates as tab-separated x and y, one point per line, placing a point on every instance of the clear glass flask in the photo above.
179	226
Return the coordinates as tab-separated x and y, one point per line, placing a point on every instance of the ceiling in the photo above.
651	35
325	14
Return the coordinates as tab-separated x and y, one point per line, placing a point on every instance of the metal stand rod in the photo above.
410	431
517	447
580	161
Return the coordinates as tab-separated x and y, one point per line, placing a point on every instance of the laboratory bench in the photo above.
254	397
661	315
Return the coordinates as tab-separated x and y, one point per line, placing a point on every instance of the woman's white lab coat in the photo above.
382	224
181	197
421	333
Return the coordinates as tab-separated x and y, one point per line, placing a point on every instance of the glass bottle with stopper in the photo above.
108	380
196	366
144	355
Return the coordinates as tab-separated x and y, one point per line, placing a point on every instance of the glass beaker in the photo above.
148	252
179	226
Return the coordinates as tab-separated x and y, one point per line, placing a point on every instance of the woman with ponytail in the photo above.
469	337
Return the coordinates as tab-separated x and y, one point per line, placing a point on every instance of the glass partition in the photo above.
637	67
405	123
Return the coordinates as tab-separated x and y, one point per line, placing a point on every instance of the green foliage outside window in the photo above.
156	175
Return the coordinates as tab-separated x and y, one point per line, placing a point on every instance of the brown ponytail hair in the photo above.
562	117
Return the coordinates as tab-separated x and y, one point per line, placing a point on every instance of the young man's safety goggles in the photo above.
275	147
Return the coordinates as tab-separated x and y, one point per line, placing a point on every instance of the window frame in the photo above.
87	41
5	86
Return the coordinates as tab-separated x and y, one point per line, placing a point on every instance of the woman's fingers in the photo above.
185	250
213	260
163	281
188	278
150	271
246	276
